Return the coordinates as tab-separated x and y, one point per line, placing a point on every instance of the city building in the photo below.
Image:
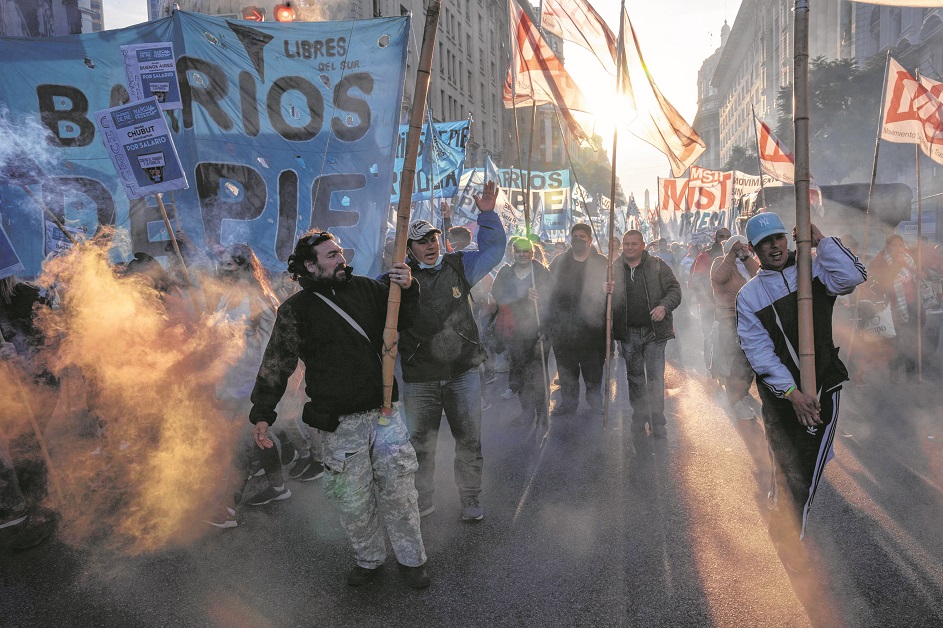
877	28
48	18
757	60
707	120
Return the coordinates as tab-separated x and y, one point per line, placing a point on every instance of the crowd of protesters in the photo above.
473	307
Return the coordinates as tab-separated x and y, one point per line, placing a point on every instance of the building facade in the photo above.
707	120
48	18
877	28
757	60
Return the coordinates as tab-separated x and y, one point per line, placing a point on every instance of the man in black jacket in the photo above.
335	326
645	293
577	322
440	353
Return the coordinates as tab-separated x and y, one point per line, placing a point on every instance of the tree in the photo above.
594	171
844	105
742	158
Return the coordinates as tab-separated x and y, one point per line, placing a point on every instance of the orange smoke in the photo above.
136	438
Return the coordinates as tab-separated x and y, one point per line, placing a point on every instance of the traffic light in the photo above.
253	14
284	13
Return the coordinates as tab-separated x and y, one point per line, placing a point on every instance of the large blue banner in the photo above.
283	127
439	164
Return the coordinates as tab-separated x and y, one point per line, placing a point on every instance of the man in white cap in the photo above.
440	353
799	427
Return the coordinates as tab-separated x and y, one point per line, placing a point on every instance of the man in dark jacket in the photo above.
645	293
440	353
335	326
577	322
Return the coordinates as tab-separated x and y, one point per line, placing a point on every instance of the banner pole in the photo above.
759	162
612	205
48	212
183	265
867	214
919	267
803	209
407	179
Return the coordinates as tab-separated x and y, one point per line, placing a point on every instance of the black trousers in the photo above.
798	455
575	356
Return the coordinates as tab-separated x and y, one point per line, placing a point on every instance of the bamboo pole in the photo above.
803	209
407	179
183	265
612	205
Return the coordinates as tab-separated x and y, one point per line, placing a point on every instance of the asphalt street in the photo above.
586	525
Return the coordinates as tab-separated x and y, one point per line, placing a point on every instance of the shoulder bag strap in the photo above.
347	318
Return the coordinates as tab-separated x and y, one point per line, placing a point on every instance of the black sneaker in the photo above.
415	577
359	576
313	472
563	409
300	466
270	494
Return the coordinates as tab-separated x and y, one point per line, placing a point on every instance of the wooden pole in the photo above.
24	400
919	267
48	212
407	179
759	162
183	265
863	251
803	209
612	205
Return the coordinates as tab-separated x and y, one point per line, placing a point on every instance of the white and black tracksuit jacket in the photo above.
769	344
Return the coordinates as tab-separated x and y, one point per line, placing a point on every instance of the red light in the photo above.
284	13
253	14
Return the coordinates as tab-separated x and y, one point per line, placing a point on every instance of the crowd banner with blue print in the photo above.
283	127
440	163
9	261
151	70
141	148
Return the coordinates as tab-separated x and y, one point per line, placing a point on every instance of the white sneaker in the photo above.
743	411
508	394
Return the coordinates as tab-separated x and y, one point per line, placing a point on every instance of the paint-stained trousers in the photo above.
798	455
370	468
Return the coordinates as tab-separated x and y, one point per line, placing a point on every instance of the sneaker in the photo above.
299	467
289	454
223	518
428	510
659	431
256	472
270	494
471	511
359	576
562	409
508	394
415	577
29	531
743	411
313	472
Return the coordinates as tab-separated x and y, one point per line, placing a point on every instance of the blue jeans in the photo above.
645	368
461	399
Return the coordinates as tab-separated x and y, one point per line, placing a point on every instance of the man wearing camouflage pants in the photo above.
335	326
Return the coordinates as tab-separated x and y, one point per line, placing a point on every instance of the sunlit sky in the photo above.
675	35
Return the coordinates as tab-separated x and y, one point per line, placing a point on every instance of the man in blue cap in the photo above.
799	427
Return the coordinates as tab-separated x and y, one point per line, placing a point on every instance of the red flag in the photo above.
913	112
536	75
777	160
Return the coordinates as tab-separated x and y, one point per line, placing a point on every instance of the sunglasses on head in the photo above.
317	238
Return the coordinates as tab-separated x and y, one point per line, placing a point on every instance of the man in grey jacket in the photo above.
644	294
